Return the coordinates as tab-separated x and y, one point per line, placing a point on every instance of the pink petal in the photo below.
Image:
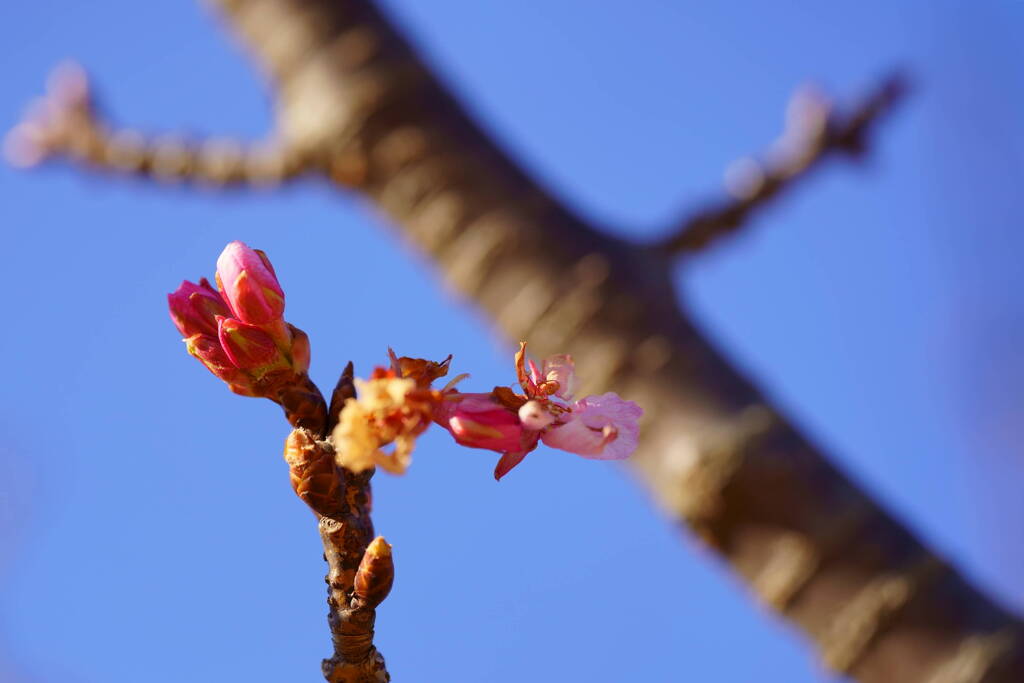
561	369
247	346
535	376
195	307
600	427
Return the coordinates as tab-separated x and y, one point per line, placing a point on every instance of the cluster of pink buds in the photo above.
603	427
239	333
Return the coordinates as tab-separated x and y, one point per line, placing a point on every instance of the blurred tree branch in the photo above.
814	131
356	104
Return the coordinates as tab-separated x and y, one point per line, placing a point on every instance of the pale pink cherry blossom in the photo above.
600	427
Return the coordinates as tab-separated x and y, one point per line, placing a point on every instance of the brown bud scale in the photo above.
313	475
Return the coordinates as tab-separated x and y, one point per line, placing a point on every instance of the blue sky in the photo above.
147	530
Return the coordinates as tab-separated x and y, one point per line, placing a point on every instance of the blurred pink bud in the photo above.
249	284
248	347
194	308
207	349
601	427
68	84
477	421
26	145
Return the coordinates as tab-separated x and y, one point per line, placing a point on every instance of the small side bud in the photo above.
376	573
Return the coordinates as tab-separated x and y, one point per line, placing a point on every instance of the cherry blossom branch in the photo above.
715	453
815	130
238	333
64	124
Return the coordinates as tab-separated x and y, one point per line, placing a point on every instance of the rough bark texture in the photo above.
355	102
351	616
360	571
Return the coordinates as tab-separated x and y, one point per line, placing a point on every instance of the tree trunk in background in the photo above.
716	455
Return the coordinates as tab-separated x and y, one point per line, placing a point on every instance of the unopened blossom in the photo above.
249	347
479	421
195	307
249	284
207	349
238	333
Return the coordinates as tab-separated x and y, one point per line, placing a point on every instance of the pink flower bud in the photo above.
601	427
249	284
208	351
248	347
477	421
194	308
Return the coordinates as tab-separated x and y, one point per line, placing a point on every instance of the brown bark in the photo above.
355	102
360	571
814	132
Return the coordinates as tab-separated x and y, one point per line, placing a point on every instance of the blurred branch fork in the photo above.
356	105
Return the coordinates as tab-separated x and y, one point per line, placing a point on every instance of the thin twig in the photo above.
304	406
360	571
814	131
353	560
64	124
